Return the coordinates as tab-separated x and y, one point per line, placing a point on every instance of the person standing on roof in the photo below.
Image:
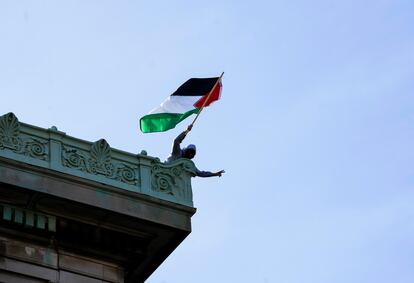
188	152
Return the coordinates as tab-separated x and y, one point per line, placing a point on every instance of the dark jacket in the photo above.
177	152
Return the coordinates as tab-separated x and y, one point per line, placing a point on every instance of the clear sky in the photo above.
315	128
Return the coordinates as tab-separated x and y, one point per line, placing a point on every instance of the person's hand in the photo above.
219	173
189	128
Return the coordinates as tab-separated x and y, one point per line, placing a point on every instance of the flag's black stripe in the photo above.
196	86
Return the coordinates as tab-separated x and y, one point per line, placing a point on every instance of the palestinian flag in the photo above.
188	99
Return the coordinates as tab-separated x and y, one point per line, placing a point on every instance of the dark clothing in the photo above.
177	153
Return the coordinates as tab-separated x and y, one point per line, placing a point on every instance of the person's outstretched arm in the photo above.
208	173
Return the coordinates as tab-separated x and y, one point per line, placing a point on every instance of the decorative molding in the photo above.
73	158
126	174
54	150
98	161
163	180
12	139
9	133
172	179
36	148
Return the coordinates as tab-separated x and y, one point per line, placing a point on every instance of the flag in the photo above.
188	99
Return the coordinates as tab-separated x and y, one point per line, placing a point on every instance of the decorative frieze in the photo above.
54	150
98	161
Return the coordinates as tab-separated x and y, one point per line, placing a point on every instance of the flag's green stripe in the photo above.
161	122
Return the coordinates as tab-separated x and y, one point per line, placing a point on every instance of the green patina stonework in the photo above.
96	161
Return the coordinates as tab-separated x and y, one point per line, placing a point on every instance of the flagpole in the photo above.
205	101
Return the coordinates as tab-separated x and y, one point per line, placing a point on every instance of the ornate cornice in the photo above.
97	161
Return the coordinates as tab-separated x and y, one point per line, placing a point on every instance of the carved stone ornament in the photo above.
169	179
12	139
36	148
9	132
163	181
98	162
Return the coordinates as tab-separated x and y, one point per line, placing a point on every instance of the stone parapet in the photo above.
96	161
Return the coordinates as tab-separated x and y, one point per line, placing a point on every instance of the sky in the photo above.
314	127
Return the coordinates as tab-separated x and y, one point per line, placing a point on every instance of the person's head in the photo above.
190	151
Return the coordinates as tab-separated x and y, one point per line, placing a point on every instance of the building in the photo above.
79	211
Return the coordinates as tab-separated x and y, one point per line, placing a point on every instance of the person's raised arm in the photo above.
178	140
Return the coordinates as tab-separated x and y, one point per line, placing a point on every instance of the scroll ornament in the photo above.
171	178
99	162
11	138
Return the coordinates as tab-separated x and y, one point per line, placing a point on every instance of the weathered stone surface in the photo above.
96	161
77	211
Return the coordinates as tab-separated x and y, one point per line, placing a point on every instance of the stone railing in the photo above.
96	161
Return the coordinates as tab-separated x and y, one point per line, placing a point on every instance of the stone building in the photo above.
79	211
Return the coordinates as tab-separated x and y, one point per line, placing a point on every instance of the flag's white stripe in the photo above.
176	104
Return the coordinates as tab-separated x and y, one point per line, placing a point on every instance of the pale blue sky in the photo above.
314	128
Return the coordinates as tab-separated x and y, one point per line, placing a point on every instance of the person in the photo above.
188	152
